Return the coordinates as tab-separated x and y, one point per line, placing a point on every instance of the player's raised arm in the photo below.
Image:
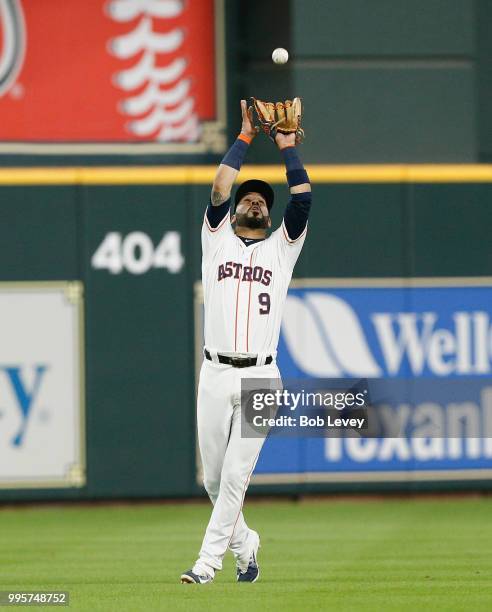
229	168
297	210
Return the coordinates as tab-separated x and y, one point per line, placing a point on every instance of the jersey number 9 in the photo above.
264	299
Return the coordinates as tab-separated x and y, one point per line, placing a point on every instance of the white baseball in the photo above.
280	55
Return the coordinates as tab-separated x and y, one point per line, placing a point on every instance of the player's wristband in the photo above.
235	156
246	139
296	175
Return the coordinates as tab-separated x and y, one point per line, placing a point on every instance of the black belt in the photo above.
238	362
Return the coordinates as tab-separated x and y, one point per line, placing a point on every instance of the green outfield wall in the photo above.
388	81
138	284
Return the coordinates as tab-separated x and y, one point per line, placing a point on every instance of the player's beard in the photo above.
251	221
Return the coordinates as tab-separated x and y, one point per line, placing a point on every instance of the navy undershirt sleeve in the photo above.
297	213
216	214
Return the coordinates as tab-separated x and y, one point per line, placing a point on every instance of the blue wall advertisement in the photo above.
432	337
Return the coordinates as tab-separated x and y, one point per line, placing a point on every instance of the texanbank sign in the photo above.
433	336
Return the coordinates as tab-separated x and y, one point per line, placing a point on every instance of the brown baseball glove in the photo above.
283	117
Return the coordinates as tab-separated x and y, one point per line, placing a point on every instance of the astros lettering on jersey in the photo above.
245	287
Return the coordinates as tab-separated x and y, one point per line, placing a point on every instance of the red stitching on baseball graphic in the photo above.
165	109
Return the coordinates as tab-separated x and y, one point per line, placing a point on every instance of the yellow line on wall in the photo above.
203	175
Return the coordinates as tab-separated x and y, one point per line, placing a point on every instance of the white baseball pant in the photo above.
228	461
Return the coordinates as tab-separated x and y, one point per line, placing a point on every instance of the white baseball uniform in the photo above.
244	288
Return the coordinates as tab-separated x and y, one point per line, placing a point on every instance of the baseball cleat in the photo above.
190	578
252	573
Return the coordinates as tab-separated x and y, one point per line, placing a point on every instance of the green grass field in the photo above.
315	555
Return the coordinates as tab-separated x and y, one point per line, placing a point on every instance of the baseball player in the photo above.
245	276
